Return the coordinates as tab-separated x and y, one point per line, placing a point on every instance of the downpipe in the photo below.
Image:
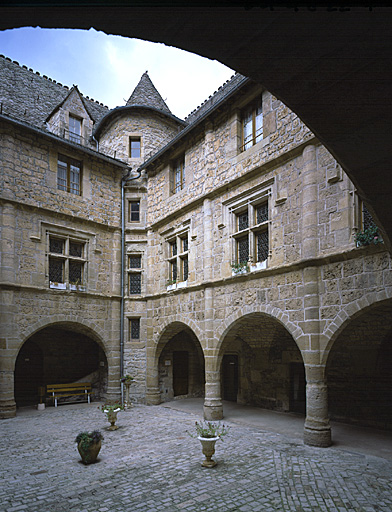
125	179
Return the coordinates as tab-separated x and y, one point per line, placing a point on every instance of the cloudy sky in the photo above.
107	68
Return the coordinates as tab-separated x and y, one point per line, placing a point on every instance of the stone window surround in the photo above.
249	201
130	201
68	237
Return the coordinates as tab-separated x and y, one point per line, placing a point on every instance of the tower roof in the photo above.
145	94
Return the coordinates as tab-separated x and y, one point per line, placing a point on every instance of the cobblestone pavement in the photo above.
151	464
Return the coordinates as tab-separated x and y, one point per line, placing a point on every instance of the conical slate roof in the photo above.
146	94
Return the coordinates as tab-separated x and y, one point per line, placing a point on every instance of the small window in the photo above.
134	329
75	129
135	283
69	173
135	261
134	211
135	146
177	175
252	124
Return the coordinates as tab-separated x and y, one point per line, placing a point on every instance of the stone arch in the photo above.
174	324
176	362
258	361
347	314
268	310
357	367
64	349
89	328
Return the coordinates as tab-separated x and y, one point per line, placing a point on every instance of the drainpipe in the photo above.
125	179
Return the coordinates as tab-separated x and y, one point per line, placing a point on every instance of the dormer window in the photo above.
75	129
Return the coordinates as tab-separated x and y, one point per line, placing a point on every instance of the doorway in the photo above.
297	388
230	377
180	373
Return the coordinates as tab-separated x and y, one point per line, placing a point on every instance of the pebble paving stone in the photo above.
150	464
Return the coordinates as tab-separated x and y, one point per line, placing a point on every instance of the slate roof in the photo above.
145	94
30	97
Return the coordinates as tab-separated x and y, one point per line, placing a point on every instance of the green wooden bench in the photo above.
57	391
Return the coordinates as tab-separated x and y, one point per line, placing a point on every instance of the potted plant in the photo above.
111	410
89	444
127	381
208	433
368	236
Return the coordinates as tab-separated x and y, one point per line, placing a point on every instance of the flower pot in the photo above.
112	418
208	449
89	454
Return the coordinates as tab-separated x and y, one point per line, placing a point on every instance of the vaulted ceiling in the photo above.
332	67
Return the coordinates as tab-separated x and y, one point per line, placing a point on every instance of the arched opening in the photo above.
181	365
262	365
359	370
59	354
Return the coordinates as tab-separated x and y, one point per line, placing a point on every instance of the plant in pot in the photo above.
208	433
89	444
127	381
111	410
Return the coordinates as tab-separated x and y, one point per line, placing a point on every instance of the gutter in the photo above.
124	181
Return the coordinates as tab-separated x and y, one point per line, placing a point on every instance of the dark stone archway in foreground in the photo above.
331	66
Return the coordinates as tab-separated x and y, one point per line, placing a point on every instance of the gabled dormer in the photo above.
71	119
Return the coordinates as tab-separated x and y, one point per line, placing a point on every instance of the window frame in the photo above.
254	111
69	162
135	271
72	135
135	138
66	258
251	231
177	168
130	203
178	258
133	322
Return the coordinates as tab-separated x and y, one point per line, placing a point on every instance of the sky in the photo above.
108	68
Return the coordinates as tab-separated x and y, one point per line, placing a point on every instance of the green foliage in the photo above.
86	439
209	430
240	268
111	407
127	379
368	236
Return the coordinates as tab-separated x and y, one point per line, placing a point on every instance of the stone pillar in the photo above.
317	430
9	327
153	394
213	408
309	203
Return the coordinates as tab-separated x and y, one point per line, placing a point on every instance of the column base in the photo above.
213	410
7	409
320	437
153	397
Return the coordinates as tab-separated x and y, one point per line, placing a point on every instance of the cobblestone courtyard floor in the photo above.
151	464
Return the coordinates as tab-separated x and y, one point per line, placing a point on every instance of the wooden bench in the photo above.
57	391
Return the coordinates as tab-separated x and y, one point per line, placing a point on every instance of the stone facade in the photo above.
210	267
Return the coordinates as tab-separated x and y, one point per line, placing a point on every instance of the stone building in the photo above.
212	257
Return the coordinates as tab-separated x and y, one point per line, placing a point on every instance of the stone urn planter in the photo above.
208	433
111	411
89	445
208	449
127	381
